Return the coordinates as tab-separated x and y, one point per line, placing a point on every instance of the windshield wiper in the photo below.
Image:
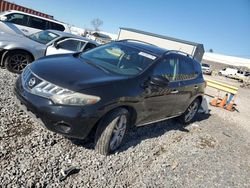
97	66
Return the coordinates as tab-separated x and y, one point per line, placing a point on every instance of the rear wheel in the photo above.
190	113
16	61
111	131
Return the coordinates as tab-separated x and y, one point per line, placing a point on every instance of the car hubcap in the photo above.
18	62
191	111
118	132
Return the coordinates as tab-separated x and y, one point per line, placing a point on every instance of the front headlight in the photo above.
62	96
75	99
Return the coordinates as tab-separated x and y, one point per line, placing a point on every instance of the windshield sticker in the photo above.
52	35
147	55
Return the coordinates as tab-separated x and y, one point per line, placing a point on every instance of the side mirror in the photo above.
55	44
159	81
3	18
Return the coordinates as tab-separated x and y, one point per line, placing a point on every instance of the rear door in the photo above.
189	83
69	45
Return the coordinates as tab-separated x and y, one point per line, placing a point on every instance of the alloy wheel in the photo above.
191	111
118	132
18	62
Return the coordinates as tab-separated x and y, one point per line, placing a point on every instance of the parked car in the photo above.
17	51
17	22
99	37
206	68
242	75
227	72
110	88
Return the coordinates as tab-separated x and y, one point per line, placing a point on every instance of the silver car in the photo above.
17	51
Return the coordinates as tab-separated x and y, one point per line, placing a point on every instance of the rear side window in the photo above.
186	69
197	67
16	18
56	26
37	23
89	46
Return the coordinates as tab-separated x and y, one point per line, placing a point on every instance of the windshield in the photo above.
205	65
43	37
120	59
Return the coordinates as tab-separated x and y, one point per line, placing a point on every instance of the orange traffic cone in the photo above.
223	102
230	106
214	101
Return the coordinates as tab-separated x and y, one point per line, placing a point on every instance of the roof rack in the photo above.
139	41
179	52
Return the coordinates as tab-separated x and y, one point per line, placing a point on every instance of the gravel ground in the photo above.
212	152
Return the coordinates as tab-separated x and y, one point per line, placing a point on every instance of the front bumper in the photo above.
209	72
71	121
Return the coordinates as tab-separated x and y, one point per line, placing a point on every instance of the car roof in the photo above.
65	34
145	46
48	19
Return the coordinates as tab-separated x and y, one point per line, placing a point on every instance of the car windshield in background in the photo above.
43	37
119	59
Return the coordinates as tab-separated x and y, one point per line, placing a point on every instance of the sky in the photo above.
221	25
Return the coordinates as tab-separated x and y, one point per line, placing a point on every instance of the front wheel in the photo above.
190	113
111	130
16	61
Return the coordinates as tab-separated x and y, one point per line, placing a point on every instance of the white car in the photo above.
228	72
17	51
242	75
206	69
17	22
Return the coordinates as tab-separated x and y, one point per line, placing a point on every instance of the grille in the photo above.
40	87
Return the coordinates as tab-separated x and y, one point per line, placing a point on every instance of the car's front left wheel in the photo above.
111	131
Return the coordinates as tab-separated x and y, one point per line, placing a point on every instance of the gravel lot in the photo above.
212	152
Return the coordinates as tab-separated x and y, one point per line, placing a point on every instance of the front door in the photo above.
69	45
159	102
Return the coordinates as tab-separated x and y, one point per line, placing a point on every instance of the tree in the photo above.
96	23
211	50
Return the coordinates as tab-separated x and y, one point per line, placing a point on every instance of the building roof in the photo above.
228	60
161	36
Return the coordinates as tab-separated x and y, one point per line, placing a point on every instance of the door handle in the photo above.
174	91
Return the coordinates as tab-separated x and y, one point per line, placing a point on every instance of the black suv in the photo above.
109	88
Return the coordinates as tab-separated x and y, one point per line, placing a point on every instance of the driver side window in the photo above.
72	45
167	67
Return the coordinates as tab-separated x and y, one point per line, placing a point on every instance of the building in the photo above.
194	49
5	5
219	61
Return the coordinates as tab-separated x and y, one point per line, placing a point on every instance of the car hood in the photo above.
72	72
18	39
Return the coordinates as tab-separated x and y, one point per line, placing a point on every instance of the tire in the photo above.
111	131
190	113
220	74
17	60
